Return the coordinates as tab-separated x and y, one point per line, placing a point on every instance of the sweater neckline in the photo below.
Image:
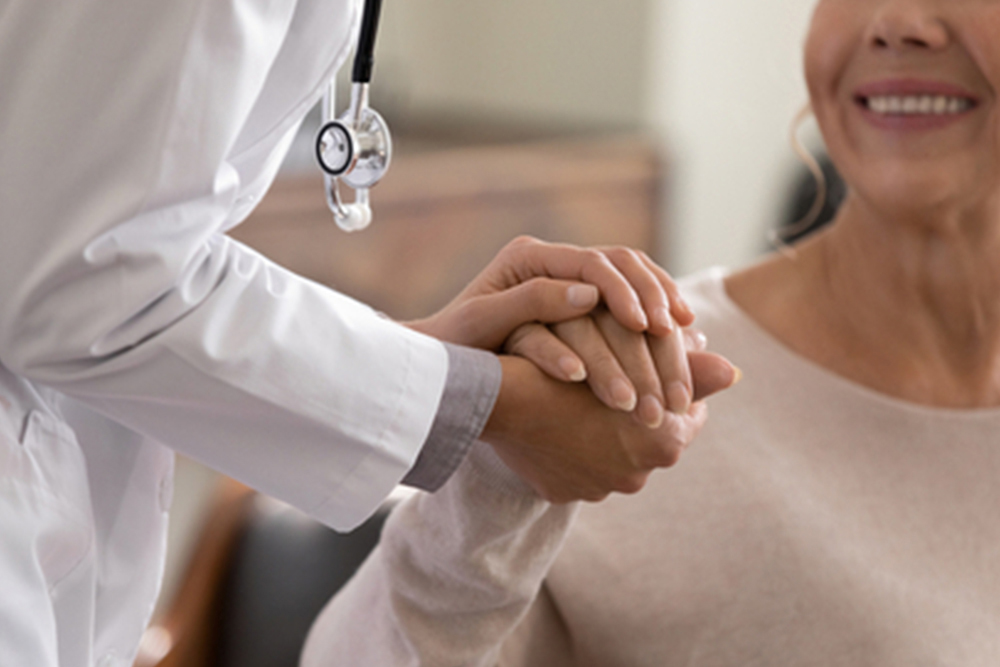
713	282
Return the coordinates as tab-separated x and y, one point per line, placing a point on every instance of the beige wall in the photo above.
727	82
717	80
580	62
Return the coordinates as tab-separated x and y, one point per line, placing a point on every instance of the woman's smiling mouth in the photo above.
911	104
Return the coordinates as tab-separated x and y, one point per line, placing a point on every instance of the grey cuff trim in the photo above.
470	391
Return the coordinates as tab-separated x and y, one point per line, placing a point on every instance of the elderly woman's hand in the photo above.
562	441
633	372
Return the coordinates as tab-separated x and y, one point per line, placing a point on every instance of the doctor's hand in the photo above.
569	446
533	281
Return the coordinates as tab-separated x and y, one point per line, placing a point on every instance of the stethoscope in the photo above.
355	148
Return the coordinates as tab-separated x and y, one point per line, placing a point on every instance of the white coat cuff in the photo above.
370	483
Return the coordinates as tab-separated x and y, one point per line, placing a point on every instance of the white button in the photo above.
109	660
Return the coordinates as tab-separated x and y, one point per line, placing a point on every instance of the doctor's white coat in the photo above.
133	134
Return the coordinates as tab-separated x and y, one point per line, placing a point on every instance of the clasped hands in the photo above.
602	383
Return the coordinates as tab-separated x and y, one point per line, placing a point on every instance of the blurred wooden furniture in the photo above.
185	637
439	217
260	575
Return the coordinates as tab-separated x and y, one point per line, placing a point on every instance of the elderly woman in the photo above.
840	507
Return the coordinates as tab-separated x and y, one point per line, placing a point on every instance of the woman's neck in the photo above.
909	308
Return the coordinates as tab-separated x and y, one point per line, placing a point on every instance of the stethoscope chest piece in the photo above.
356	147
359	155
336	148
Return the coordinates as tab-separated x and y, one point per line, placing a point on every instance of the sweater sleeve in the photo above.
454	575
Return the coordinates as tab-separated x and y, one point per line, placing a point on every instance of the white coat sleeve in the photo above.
455	574
123	125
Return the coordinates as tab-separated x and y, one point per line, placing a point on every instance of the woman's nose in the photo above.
900	25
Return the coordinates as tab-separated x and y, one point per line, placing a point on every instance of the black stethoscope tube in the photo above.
364	59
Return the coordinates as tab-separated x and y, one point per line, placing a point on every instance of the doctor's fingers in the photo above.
536	343
661	298
525	258
680	308
485	321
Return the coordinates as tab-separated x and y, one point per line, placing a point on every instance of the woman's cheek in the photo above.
833	37
982	45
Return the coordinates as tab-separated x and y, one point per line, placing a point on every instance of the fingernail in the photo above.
737	375
650	411
678	398
582	296
664	319
701	340
640	315
573	369
622	395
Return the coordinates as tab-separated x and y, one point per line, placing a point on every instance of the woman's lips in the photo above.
911	104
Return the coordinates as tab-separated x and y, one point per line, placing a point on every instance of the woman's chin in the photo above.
922	193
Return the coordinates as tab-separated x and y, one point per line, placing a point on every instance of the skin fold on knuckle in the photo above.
631	257
521	242
597	262
663	448
515	262
522	341
542	299
616	253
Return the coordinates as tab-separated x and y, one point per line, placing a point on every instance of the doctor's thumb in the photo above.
491	318
548	300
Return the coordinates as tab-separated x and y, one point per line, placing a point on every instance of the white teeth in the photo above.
918	104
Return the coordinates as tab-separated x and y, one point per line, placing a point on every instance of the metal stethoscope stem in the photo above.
356	147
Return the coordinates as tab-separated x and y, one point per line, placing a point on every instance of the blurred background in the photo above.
660	124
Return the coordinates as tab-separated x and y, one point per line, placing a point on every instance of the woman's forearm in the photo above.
455	573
